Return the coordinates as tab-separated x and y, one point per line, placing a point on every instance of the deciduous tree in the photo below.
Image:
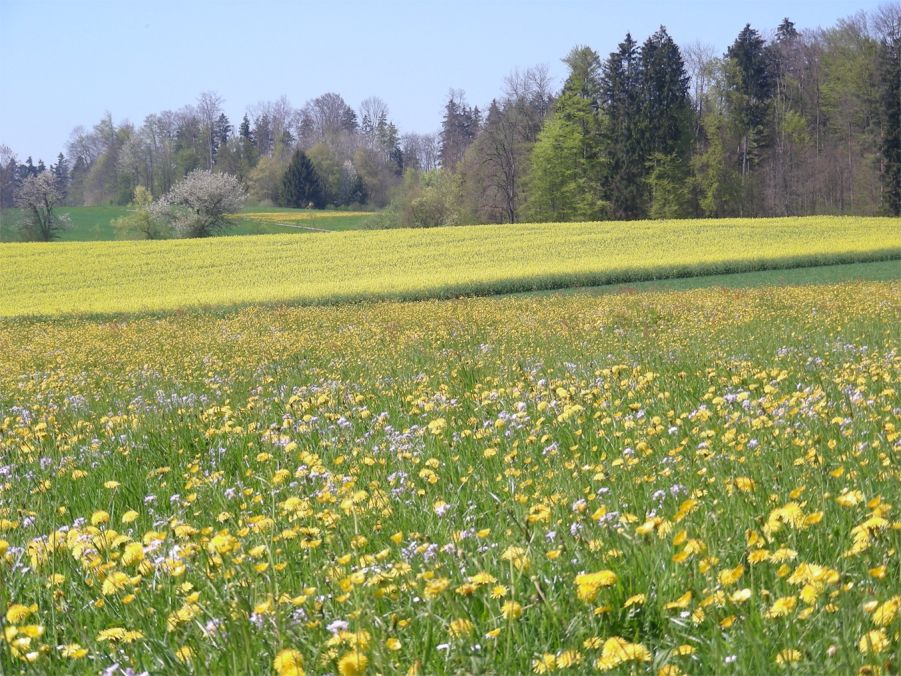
38	198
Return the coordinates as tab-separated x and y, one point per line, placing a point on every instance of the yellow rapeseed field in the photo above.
114	277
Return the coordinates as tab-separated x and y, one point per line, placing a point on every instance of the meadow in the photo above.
95	224
325	268
665	481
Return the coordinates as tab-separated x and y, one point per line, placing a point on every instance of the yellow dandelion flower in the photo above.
99	518
73	651
884	614
544	664
460	628
511	610
17	612
588	584
731	576
680	603
568	658
782	607
873	642
288	662
788	656
617	651
353	663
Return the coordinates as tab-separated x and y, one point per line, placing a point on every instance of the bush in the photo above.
140	220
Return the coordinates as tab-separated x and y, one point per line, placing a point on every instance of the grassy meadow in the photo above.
95	224
671	481
115	277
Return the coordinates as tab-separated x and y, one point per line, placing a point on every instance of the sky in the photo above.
67	62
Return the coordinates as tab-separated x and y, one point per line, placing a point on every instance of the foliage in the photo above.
107	277
197	205
669	186
699	481
38	197
265	179
140	220
564	182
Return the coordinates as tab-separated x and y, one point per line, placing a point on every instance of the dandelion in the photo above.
353	664
288	662
788	656
511	610
18	613
873	642
588	584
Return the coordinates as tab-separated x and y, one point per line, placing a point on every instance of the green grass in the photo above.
89	224
822	274
94	224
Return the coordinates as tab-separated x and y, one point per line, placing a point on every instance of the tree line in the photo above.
805	122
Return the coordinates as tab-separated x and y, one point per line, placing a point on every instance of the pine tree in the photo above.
301	185
244	130
9	182
665	106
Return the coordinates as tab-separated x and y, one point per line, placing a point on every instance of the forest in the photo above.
787	121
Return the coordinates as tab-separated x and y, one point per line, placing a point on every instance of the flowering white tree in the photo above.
37	198
197	206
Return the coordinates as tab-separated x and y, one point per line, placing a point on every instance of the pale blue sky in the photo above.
66	62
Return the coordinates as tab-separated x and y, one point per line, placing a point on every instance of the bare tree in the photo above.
420	151
373	108
209	107
328	116
700	61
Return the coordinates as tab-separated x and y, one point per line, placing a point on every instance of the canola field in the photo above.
322	268
670	482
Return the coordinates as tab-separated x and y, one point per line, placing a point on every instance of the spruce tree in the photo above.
301	185
748	76
624	131
61	174
665	126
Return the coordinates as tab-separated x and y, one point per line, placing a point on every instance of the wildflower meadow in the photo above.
673	482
